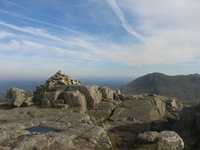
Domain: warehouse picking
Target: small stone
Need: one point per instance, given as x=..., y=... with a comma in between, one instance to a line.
x=148, y=137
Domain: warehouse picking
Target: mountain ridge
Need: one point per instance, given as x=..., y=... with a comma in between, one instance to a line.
x=182, y=87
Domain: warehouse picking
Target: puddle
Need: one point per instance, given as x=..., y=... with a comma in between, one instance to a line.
x=40, y=129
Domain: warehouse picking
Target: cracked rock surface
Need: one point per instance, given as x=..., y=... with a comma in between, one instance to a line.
x=71, y=130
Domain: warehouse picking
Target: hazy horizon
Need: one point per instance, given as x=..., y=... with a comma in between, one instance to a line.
x=98, y=39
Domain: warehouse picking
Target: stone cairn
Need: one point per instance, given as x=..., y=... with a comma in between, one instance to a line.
x=60, y=78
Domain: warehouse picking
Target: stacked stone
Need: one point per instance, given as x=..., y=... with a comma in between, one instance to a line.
x=60, y=78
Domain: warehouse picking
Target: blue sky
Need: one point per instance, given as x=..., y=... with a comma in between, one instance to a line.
x=98, y=38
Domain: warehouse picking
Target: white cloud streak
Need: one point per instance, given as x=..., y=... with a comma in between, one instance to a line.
x=125, y=24
x=37, y=21
x=4, y=34
x=33, y=31
x=14, y=4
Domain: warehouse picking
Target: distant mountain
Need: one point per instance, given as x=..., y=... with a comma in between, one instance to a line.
x=182, y=87
x=109, y=82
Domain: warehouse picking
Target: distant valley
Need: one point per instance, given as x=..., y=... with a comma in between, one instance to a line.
x=182, y=87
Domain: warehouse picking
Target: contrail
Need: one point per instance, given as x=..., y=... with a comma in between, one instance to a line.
x=125, y=24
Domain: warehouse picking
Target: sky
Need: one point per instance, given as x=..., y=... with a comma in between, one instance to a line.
x=98, y=38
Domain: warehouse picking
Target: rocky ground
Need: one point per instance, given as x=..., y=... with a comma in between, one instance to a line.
x=93, y=117
x=71, y=130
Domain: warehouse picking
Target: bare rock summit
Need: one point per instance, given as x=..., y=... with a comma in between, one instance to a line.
x=60, y=78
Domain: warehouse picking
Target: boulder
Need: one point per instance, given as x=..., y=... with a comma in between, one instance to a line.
x=173, y=105
x=28, y=99
x=51, y=96
x=16, y=95
x=75, y=99
x=169, y=140
x=107, y=93
x=148, y=137
x=92, y=94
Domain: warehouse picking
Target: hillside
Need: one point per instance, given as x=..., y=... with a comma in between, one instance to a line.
x=182, y=87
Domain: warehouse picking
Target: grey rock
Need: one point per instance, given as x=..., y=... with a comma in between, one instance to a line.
x=103, y=110
x=75, y=99
x=45, y=103
x=51, y=96
x=92, y=94
x=169, y=140
x=148, y=137
x=146, y=108
x=16, y=95
x=132, y=110
x=71, y=130
x=48, y=141
x=107, y=93
x=62, y=106
x=40, y=89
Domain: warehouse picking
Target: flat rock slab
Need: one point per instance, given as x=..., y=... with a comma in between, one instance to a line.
x=71, y=130
x=136, y=110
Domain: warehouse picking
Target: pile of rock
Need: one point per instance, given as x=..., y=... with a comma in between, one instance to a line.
x=60, y=78
x=61, y=90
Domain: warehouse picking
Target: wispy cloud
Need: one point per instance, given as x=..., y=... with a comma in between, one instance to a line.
x=4, y=34
x=80, y=46
x=125, y=24
x=37, y=21
x=14, y=4
x=34, y=31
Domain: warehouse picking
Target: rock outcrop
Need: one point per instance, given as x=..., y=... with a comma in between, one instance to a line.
x=146, y=108
x=91, y=117
x=19, y=97
x=60, y=86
